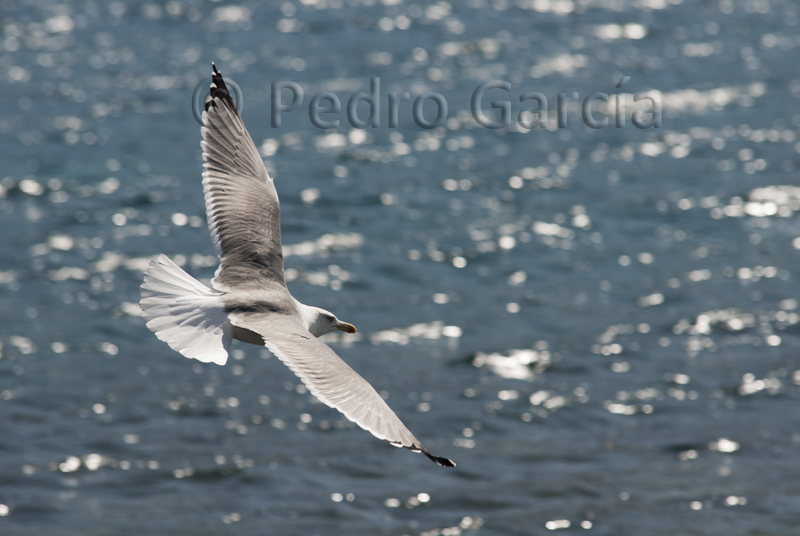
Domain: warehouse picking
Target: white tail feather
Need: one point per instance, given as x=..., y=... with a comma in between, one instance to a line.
x=184, y=313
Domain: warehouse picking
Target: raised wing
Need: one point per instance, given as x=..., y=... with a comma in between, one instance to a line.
x=241, y=202
x=331, y=380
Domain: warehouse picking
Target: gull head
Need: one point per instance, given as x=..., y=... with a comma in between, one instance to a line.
x=322, y=322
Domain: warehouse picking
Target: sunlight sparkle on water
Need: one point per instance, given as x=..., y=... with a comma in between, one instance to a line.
x=724, y=445
x=558, y=524
x=517, y=364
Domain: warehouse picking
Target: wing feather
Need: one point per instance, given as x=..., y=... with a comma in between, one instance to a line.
x=242, y=204
x=330, y=379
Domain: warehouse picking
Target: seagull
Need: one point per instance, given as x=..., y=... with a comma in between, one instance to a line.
x=249, y=300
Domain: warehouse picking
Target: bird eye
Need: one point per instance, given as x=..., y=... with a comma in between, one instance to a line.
x=329, y=318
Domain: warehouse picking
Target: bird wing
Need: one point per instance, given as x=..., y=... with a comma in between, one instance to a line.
x=242, y=204
x=330, y=379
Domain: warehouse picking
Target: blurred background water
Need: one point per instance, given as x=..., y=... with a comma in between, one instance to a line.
x=599, y=326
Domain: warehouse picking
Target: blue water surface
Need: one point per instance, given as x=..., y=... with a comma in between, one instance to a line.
x=600, y=326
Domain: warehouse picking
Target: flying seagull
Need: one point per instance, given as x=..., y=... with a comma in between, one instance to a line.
x=249, y=300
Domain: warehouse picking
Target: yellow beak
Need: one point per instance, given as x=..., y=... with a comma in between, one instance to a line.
x=347, y=328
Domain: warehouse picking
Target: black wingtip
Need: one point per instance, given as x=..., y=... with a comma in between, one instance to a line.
x=441, y=462
x=218, y=89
